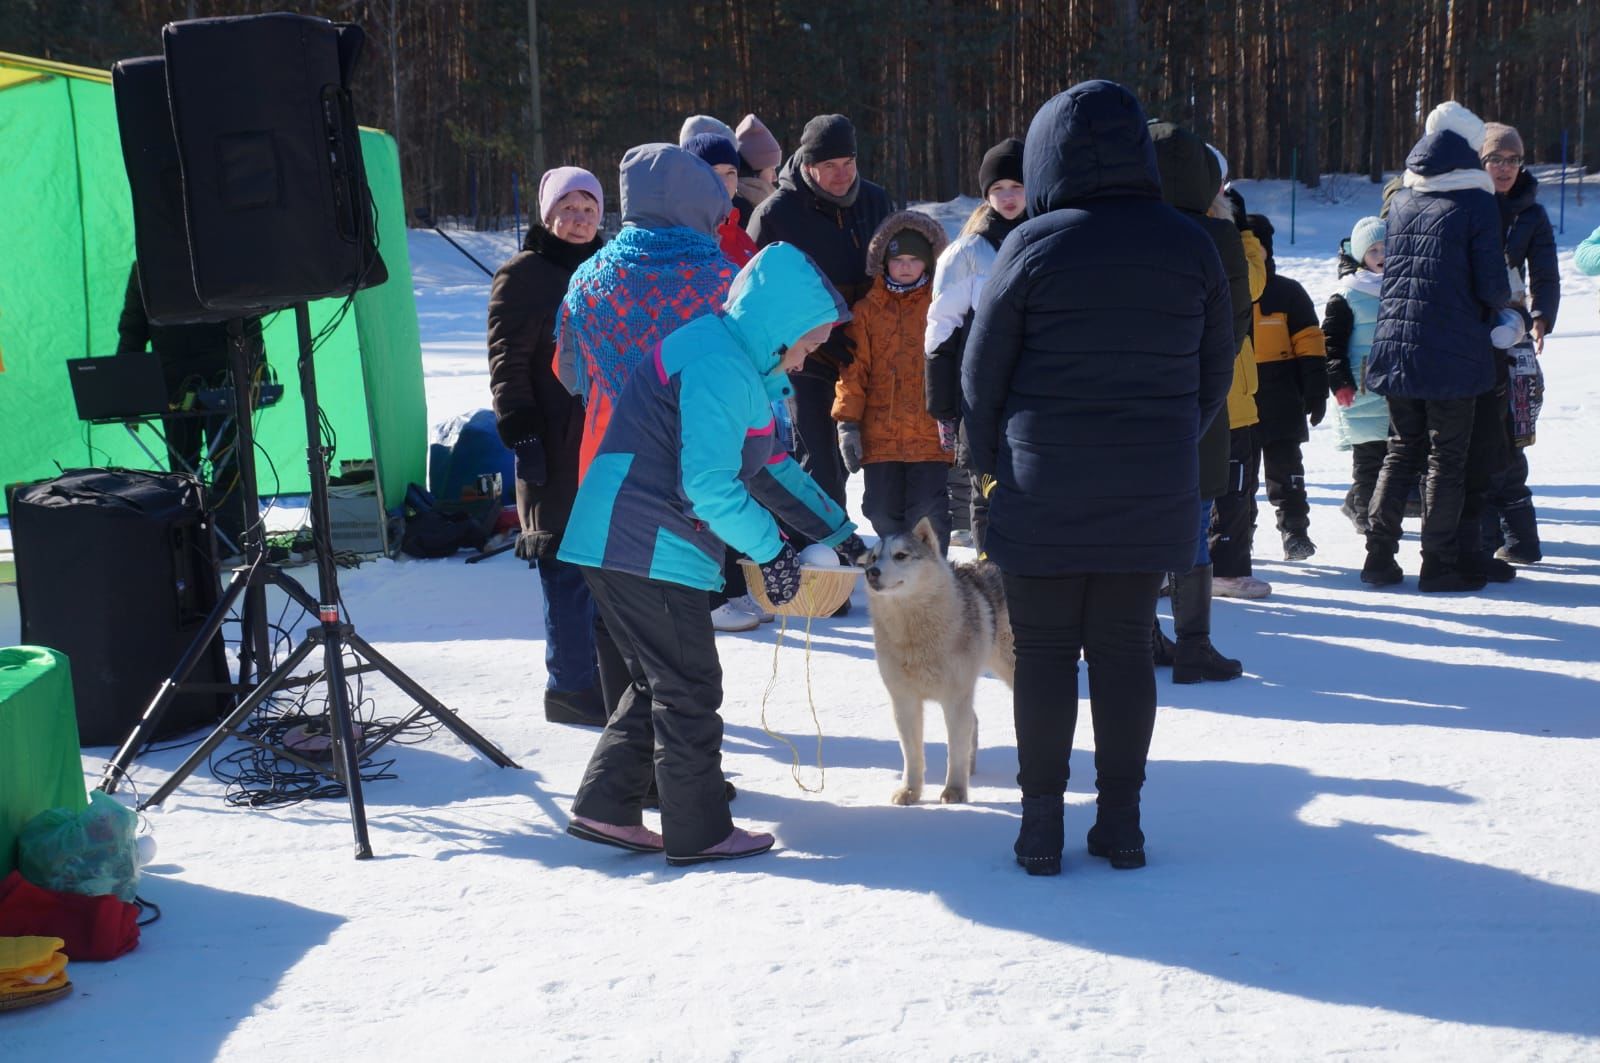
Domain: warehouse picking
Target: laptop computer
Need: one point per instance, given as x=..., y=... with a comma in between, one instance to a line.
x=123, y=387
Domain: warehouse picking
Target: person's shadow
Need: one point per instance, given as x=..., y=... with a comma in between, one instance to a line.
x=1263, y=875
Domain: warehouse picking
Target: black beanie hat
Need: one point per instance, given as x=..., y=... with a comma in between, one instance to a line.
x=1261, y=225
x=909, y=242
x=1003, y=162
x=827, y=136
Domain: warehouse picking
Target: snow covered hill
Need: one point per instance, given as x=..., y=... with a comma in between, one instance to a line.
x=1382, y=841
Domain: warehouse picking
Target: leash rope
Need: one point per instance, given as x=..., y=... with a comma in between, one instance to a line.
x=772, y=684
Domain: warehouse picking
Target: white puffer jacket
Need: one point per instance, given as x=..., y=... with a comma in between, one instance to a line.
x=958, y=280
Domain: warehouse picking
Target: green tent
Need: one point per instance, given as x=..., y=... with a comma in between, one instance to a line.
x=64, y=268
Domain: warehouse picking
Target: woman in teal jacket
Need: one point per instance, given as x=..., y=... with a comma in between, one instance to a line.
x=1587, y=256
x=689, y=464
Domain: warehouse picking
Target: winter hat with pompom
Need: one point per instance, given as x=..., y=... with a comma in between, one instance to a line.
x=1367, y=232
x=702, y=123
x=1451, y=117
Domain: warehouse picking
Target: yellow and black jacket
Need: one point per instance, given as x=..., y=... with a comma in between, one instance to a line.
x=1291, y=361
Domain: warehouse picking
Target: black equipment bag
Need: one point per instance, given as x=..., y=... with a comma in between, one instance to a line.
x=275, y=190
x=114, y=569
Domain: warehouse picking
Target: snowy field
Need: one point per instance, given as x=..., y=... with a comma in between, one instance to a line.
x=1382, y=841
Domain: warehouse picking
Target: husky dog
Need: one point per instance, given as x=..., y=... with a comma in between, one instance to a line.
x=937, y=627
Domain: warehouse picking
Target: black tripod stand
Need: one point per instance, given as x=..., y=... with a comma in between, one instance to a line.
x=333, y=636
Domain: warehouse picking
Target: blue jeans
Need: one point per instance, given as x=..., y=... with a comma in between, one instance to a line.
x=568, y=626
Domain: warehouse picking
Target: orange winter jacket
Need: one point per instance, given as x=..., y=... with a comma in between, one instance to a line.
x=882, y=390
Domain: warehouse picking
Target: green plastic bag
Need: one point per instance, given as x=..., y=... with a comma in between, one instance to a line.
x=90, y=852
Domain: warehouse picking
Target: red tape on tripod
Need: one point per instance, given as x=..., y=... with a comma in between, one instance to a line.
x=328, y=614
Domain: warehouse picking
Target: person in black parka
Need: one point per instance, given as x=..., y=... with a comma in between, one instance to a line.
x=1102, y=347
x=195, y=357
x=1190, y=178
x=542, y=423
x=1444, y=277
x=1509, y=521
x=829, y=211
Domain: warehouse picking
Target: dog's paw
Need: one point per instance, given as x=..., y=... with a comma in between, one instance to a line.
x=906, y=796
x=953, y=795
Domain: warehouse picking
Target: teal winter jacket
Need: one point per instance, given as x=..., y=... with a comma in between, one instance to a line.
x=1587, y=255
x=691, y=458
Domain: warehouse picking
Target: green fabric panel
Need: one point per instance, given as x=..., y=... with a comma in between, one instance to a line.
x=42, y=309
x=39, y=763
x=391, y=344
x=69, y=243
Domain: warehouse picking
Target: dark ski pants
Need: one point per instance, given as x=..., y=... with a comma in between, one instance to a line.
x=1233, y=522
x=1438, y=432
x=1508, y=513
x=1366, y=461
x=901, y=493
x=667, y=722
x=1285, y=476
x=569, y=635
x=816, y=445
x=1107, y=617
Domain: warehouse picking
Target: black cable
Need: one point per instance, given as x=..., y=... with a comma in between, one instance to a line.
x=147, y=906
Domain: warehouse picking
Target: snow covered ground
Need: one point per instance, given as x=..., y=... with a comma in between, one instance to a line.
x=1383, y=840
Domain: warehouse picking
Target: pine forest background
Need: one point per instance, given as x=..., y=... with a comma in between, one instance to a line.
x=1282, y=86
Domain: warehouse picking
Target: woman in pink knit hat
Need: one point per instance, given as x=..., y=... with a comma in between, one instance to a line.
x=542, y=423
x=759, y=158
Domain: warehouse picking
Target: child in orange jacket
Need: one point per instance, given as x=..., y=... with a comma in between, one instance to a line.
x=884, y=425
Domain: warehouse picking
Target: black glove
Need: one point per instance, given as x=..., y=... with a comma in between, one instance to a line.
x=851, y=549
x=781, y=576
x=530, y=463
x=1316, y=410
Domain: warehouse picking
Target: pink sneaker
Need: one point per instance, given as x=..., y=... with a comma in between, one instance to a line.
x=736, y=846
x=637, y=839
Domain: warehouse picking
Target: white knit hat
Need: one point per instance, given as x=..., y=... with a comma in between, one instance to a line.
x=1451, y=116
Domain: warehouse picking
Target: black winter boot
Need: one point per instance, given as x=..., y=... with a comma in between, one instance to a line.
x=1297, y=546
x=1381, y=569
x=1162, y=651
x=1194, y=658
x=1439, y=576
x=585, y=708
x=1041, y=836
x=1521, y=527
x=1116, y=836
x=1490, y=569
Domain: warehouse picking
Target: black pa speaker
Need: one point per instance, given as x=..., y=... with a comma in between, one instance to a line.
x=274, y=188
x=114, y=570
x=150, y=154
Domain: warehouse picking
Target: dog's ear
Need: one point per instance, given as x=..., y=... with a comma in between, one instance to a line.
x=924, y=532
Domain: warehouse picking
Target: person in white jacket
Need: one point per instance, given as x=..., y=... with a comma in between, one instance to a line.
x=957, y=284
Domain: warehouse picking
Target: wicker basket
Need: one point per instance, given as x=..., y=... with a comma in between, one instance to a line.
x=822, y=590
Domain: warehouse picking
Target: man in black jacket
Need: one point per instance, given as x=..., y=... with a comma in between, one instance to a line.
x=1102, y=348
x=829, y=211
x=193, y=358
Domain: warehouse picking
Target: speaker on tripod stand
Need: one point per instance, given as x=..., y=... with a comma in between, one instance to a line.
x=277, y=213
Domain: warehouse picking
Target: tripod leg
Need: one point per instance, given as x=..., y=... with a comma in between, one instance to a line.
x=268, y=687
x=346, y=748
x=429, y=704
x=117, y=767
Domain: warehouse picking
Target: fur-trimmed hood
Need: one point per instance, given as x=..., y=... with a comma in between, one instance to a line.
x=915, y=220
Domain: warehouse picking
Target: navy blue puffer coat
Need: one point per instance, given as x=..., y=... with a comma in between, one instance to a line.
x=1103, y=344
x=1444, y=273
